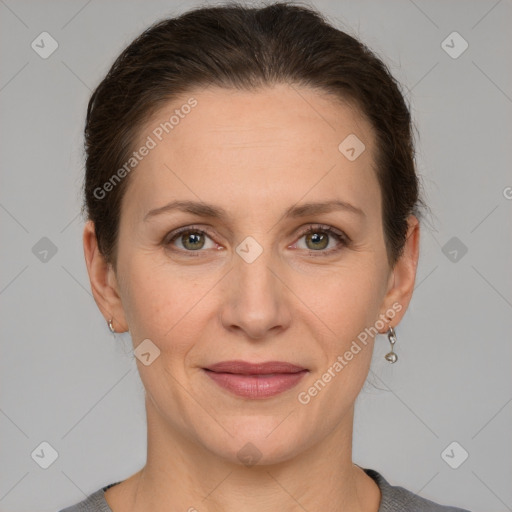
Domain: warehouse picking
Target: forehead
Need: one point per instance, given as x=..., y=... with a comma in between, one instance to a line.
x=278, y=143
x=280, y=115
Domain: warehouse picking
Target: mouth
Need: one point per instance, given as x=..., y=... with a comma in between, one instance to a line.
x=255, y=380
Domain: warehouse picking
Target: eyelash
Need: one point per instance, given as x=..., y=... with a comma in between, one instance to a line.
x=343, y=240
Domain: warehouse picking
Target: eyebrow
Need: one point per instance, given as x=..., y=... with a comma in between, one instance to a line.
x=209, y=210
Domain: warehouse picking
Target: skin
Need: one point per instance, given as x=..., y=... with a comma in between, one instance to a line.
x=254, y=154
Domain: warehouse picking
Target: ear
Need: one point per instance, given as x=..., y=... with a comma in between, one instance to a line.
x=103, y=281
x=403, y=276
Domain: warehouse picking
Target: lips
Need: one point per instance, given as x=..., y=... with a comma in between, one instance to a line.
x=246, y=368
x=255, y=380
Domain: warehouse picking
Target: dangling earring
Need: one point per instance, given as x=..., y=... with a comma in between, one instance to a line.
x=391, y=356
x=111, y=326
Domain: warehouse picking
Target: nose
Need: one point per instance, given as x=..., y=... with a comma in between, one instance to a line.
x=256, y=300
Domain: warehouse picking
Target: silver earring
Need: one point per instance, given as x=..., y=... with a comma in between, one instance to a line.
x=111, y=326
x=391, y=356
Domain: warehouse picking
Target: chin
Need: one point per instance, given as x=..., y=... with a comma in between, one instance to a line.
x=264, y=442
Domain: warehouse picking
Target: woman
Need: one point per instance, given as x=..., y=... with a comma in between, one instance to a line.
x=253, y=222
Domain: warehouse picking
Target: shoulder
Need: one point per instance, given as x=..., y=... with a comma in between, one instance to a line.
x=397, y=499
x=393, y=499
x=95, y=502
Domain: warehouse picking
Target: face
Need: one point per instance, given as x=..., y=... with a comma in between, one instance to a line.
x=259, y=275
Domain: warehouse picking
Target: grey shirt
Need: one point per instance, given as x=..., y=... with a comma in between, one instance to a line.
x=393, y=499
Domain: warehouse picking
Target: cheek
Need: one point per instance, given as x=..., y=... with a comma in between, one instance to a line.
x=349, y=307
x=164, y=305
x=350, y=299
x=151, y=299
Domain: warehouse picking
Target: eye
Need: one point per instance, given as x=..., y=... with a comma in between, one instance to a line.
x=190, y=238
x=317, y=239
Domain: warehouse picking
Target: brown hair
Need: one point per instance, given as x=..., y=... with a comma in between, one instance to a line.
x=233, y=46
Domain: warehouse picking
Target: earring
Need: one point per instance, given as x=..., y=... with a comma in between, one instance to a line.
x=391, y=356
x=111, y=326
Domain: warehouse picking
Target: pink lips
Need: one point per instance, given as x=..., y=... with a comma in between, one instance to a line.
x=256, y=381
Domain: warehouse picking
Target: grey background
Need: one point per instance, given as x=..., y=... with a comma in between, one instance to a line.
x=67, y=381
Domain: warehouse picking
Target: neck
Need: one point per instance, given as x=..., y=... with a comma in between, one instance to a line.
x=181, y=474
